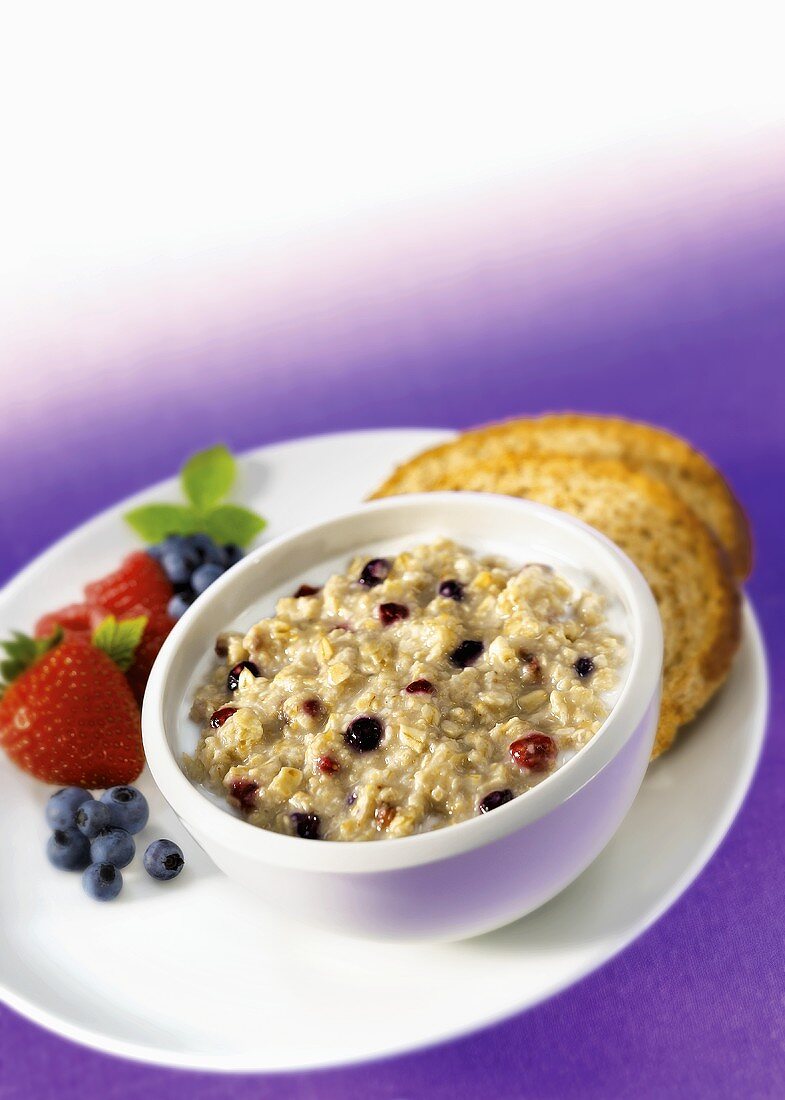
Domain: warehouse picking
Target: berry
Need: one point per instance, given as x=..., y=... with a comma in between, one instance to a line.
x=139, y=582
x=179, y=604
x=199, y=545
x=155, y=633
x=163, y=860
x=77, y=618
x=68, y=850
x=70, y=718
x=364, y=734
x=584, y=666
x=306, y=590
x=306, y=826
x=177, y=566
x=233, y=679
x=392, y=613
x=383, y=815
x=62, y=806
x=494, y=799
x=128, y=807
x=244, y=792
x=451, y=590
x=312, y=708
x=328, y=766
x=420, y=687
x=102, y=881
x=114, y=846
x=204, y=575
x=220, y=716
x=233, y=554
x=92, y=817
x=536, y=751
x=466, y=653
x=374, y=572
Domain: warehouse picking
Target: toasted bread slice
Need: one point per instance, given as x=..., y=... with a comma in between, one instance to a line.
x=651, y=450
x=677, y=554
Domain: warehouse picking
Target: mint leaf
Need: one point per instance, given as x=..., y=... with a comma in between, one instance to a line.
x=208, y=476
x=119, y=640
x=155, y=521
x=232, y=523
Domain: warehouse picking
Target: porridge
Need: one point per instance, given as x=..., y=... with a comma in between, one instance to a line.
x=406, y=694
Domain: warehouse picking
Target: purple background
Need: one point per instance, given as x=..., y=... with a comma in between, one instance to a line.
x=691, y=337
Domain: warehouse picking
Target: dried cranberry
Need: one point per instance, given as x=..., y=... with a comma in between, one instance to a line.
x=374, y=572
x=220, y=716
x=383, y=815
x=306, y=825
x=233, y=679
x=494, y=799
x=327, y=765
x=584, y=666
x=306, y=590
x=451, y=590
x=244, y=791
x=312, y=708
x=364, y=734
x=420, y=687
x=392, y=613
x=535, y=751
x=466, y=653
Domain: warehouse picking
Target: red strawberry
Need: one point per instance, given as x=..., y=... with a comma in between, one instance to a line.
x=139, y=582
x=68, y=715
x=158, y=626
x=76, y=618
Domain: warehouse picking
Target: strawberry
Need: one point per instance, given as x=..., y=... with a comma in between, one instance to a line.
x=67, y=715
x=139, y=582
x=158, y=626
x=76, y=618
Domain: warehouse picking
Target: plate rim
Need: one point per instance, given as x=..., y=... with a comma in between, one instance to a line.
x=138, y=1052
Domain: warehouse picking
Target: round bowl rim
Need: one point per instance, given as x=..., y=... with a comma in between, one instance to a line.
x=209, y=821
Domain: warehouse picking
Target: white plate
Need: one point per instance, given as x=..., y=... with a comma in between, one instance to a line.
x=198, y=973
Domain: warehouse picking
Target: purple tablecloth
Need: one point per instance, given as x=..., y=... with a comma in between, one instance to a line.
x=690, y=335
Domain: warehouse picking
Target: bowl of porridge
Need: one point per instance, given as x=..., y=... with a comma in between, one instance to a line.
x=418, y=720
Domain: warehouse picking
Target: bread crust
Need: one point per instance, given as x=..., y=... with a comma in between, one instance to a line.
x=644, y=447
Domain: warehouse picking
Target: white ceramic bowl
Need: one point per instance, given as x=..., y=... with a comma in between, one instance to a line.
x=465, y=878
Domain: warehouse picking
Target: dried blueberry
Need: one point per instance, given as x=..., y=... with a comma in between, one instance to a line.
x=306, y=826
x=364, y=734
x=584, y=666
x=306, y=590
x=466, y=653
x=312, y=708
x=420, y=687
x=451, y=590
x=494, y=799
x=392, y=613
x=374, y=572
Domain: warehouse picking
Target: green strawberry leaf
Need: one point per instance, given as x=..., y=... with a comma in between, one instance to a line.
x=232, y=523
x=155, y=521
x=22, y=652
x=119, y=640
x=208, y=476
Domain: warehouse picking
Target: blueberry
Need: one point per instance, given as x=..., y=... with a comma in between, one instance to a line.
x=216, y=555
x=163, y=859
x=451, y=590
x=201, y=544
x=233, y=554
x=374, y=572
x=102, y=881
x=364, y=734
x=306, y=826
x=179, y=604
x=112, y=845
x=129, y=808
x=91, y=817
x=494, y=799
x=584, y=666
x=68, y=850
x=466, y=653
x=177, y=566
x=62, y=806
x=233, y=679
x=156, y=551
x=204, y=575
